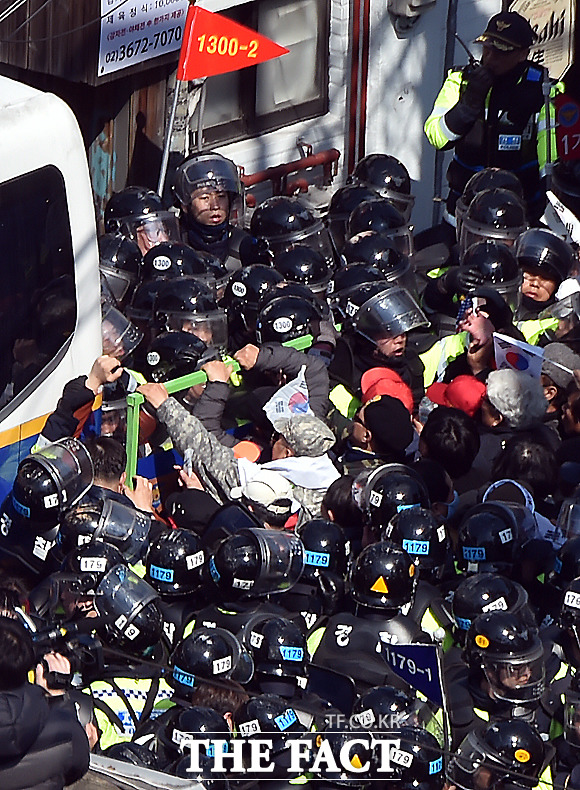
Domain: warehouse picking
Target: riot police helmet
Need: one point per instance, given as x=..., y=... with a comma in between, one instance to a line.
x=566, y=564
x=286, y=221
x=208, y=170
x=305, y=265
x=488, y=178
x=495, y=265
x=286, y=318
x=256, y=561
x=342, y=204
x=88, y=564
x=510, y=653
x=424, y=537
x=488, y=539
x=174, y=563
x=389, y=177
x=277, y=645
x=245, y=290
x=120, y=264
x=188, y=305
x=380, y=215
x=388, y=314
x=120, y=336
x=497, y=214
x=208, y=653
x=326, y=548
x=487, y=592
x=175, y=354
x=375, y=248
x=139, y=214
x=174, y=259
x=387, y=490
x=129, y=605
x=543, y=251
x=382, y=577
x=51, y=480
x=509, y=752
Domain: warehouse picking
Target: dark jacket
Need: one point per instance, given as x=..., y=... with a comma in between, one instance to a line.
x=41, y=748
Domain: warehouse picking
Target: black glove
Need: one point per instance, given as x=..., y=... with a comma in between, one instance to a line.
x=459, y=279
x=478, y=82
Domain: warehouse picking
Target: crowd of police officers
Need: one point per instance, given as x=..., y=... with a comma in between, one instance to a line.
x=426, y=498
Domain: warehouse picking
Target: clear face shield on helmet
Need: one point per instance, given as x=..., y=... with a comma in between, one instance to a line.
x=473, y=768
x=211, y=174
x=212, y=327
x=472, y=232
x=402, y=238
x=388, y=314
x=125, y=528
x=117, y=282
x=517, y=679
x=69, y=464
x=120, y=596
x=282, y=560
x=561, y=320
x=316, y=237
x=152, y=229
x=120, y=337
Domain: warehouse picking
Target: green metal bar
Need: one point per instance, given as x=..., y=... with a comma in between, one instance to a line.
x=135, y=399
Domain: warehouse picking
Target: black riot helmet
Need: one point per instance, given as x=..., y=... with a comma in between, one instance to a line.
x=326, y=548
x=175, y=354
x=566, y=184
x=120, y=263
x=286, y=221
x=30, y=543
x=208, y=653
x=488, y=539
x=89, y=564
x=417, y=763
x=509, y=752
x=277, y=645
x=210, y=171
x=541, y=250
x=255, y=562
x=244, y=291
x=139, y=214
x=119, y=336
x=380, y=215
x=174, y=563
x=424, y=537
x=488, y=178
x=570, y=609
x=510, y=654
x=347, y=747
x=388, y=489
x=52, y=480
x=566, y=565
x=349, y=301
x=271, y=715
x=493, y=214
x=385, y=708
x=342, y=204
x=387, y=314
x=383, y=577
x=305, y=265
x=122, y=525
x=286, y=288
x=488, y=592
x=389, y=177
x=190, y=724
x=174, y=259
x=286, y=318
x=377, y=249
x=186, y=304
x=129, y=604
x=496, y=266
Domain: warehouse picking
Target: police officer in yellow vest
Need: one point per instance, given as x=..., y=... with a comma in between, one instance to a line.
x=493, y=113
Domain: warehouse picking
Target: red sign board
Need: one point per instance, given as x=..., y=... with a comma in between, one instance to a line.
x=567, y=127
x=213, y=44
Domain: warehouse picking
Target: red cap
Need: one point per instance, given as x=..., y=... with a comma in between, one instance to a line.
x=464, y=392
x=384, y=381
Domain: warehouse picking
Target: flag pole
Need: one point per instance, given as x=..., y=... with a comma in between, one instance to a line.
x=168, y=133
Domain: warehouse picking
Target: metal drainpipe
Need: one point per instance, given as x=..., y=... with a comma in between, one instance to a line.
x=447, y=64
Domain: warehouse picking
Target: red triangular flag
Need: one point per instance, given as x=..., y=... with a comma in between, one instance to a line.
x=213, y=44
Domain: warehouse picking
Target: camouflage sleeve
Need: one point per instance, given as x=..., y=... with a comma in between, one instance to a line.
x=212, y=462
